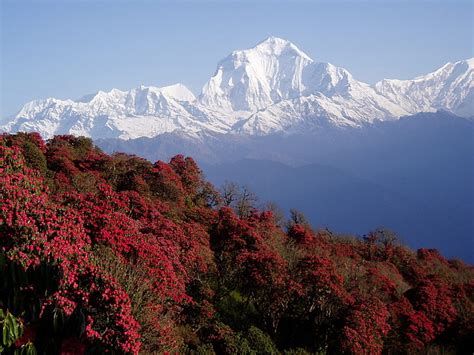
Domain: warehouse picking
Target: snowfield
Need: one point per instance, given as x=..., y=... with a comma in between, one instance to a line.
x=273, y=87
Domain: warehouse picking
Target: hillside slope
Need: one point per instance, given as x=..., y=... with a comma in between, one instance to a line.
x=112, y=253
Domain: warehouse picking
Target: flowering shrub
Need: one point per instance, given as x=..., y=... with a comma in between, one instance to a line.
x=39, y=236
x=365, y=328
x=115, y=254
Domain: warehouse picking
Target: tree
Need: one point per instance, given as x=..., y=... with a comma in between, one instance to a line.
x=240, y=198
x=246, y=202
x=229, y=192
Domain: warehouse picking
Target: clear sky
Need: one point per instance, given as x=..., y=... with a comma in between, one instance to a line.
x=67, y=49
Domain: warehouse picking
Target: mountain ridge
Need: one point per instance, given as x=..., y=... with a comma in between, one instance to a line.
x=271, y=88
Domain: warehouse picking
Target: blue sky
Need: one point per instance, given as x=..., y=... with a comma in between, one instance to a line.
x=67, y=49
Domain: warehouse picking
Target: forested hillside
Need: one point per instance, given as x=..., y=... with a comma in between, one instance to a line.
x=413, y=175
x=113, y=253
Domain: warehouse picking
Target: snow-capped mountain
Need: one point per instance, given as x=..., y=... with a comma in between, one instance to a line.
x=140, y=112
x=273, y=87
x=272, y=71
x=451, y=87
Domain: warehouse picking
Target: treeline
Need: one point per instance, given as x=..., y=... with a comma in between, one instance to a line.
x=112, y=253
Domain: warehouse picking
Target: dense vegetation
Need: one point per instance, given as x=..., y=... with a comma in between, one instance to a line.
x=115, y=254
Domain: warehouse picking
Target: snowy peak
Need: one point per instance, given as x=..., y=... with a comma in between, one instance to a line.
x=450, y=87
x=273, y=87
x=151, y=100
x=178, y=92
x=251, y=79
x=275, y=46
x=141, y=100
x=145, y=111
x=274, y=70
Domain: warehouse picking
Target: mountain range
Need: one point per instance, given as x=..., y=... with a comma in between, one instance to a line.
x=271, y=88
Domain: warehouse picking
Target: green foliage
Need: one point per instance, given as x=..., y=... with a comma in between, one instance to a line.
x=260, y=342
x=205, y=349
x=298, y=351
x=202, y=349
x=237, y=312
x=27, y=349
x=34, y=157
x=12, y=329
x=235, y=343
x=81, y=146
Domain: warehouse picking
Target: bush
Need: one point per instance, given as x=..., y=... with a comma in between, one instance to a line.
x=261, y=342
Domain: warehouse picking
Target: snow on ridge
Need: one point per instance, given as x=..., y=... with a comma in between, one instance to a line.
x=272, y=87
x=449, y=87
